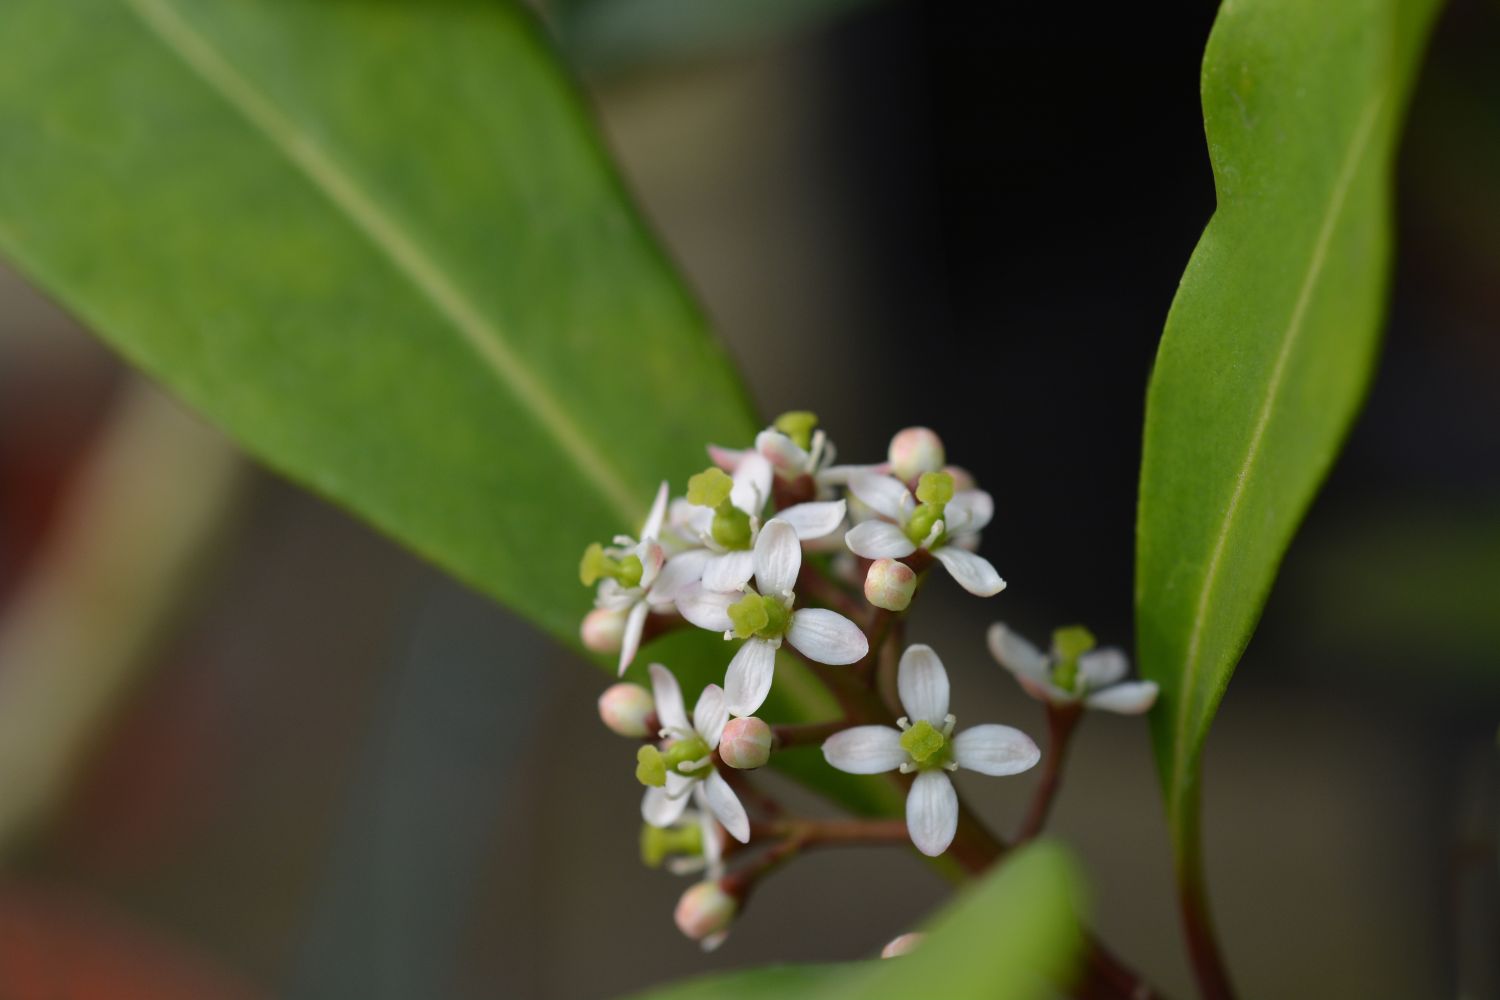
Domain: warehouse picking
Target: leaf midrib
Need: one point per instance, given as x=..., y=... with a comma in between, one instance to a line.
x=409, y=257
x=1358, y=143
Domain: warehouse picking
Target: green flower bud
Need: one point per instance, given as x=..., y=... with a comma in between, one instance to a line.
x=799, y=426
x=650, y=767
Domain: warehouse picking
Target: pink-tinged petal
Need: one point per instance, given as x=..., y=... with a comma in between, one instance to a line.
x=840, y=475
x=815, y=519
x=709, y=715
x=681, y=571
x=668, y=695
x=778, y=558
x=728, y=571
x=658, y=513
x=878, y=540
x=1127, y=699
x=826, y=636
x=706, y=608
x=969, y=511
x=923, y=685
x=660, y=809
x=630, y=641
x=653, y=557
x=932, y=812
x=752, y=483
x=995, y=750
x=1013, y=652
x=720, y=800
x=784, y=454
x=1099, y=668
x=727, y=459
x=748, y=679
x=886, y=496
x=973, y=573
x=865, y=750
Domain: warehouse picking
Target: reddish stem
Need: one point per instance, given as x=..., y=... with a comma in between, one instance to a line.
x=1061, y=720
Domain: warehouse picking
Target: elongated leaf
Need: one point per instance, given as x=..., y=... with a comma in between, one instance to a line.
x=380, y=244
x=1271, y=340
x=1013, y=936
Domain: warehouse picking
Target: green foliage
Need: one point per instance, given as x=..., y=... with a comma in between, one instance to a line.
x=1271, y=340
x=1013, y=936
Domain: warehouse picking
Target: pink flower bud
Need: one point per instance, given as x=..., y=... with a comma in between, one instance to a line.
x=603, y=630
x=746, y=743
x=890, y=584
x=914, y=451
x=902, y=945
x=963, y=479
x=704, y=913
x=627, y=709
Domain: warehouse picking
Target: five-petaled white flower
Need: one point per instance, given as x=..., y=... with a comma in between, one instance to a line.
x=766, y=615
x=944, y=521
x=926, y=744
x=1072, y=672
x=684, y=764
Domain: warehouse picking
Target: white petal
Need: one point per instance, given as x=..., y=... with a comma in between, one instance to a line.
x=782, y=452
x=669, y=707
x=748, y=679
x=814, y=520
x=712, y=848
x=969, y=511
x=682, y=570
x=840, y=475
x=997, y=750
x=1014, y=653
x=932, y=812
x=658, y=513
x=706, y=608
x=1127, y=699
x=923, y=685
x=1102, y=667
x=653, y=557
x=630, y=642
x=865, y=750
x=728, y=571
x=660, y=809
x=878, y=540
x=973, y=573
x=752, y=483
x=720, y=800
x=778, y=558
x=882, y=494
x=826, y=636
x=727, y=459
x=709, y=715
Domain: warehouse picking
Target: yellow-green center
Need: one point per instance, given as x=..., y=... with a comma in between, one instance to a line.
x=1068, y=644
x=924, y=743
x=596, y=565
x=758, y=616
x=799, y=426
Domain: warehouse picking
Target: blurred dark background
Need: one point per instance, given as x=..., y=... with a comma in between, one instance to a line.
x=315, y=775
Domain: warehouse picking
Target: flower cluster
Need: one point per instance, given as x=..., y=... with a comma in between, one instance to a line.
x=787, y=554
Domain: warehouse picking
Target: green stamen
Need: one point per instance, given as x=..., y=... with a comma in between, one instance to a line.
x=799, y=426
x=650, y=767
x=658, y=844
x=758, y=617
x=709, y=488
x=595, y=565
x=1068, y=644
x=924, y=744
x=934, y=489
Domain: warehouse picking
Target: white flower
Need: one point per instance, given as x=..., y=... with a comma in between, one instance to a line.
x=925, y=743
x=1072, y=672
x=945, y=522
x=794, y=446
x=763, y=617
x=723, y=515
x=688, y=759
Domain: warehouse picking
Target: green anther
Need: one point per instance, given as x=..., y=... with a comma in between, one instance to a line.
x=684, y=752
x=924, y=744
x=1068, y=644
x=799, y=426
x=731, y=527
x=650, y=767
x=935, y=488
x=658, y=844
x=760, y=617
x=595, y=565
x=709, y=488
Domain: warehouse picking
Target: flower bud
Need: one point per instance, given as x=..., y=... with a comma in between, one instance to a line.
x=890, y=584
x=704, y=913
x=914, y=451
x=902, y=945
x=746, y=743
x=603, y=630
x=627, y=709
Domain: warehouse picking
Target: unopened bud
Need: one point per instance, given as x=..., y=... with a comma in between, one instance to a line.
x=746, y=743
x=890, y=584
x=704, y=913
x=914, y=451
x=603, y=630
x=963, y=479
x=626, y=709
x=902, y=945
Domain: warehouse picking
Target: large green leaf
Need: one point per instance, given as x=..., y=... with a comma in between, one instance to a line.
x=381, y=245
x=1271, y=340
x=1012, y=936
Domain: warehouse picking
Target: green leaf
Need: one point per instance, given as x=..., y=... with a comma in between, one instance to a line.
x=1012, y=936
x=1271, y=339
x=381, y=245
